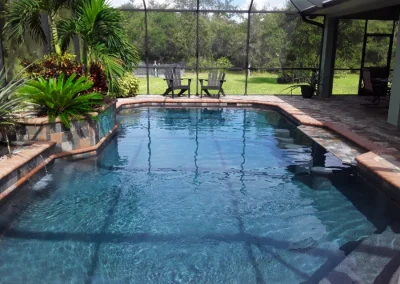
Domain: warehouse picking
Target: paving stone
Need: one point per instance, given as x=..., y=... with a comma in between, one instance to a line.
x=345, y=150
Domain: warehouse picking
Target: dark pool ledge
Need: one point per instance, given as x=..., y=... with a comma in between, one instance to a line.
x=382, y=165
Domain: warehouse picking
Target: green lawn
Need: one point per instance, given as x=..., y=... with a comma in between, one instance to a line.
x=258, y=84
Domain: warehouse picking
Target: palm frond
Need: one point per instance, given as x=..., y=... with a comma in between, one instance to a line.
x=67, y=29
x=101, y=28
x=9, y=103
x=111, y=62
x=24, y=16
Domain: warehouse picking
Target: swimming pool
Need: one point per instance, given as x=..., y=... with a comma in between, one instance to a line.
x=190, y=195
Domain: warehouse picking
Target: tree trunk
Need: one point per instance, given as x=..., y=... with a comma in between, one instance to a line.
x=85, y=59
x=5, y=135
x=55, y=47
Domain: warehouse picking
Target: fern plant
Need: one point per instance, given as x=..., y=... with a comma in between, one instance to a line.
x=61, y=98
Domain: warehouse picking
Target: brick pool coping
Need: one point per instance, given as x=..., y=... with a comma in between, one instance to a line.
x=377, y=162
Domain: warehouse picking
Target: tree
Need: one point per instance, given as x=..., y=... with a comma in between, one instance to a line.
x=25, y=16
x=276, y=39
x=101, y=30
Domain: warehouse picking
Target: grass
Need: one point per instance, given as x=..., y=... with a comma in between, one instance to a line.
x=258, y=84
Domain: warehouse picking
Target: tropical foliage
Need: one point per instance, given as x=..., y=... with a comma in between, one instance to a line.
x=223, y=63
x=25, y=16
x=128, y=86
x=57, y=97
x=277, y=40
x=98, y=26
x=53, y=65
x=9, y=104
x=101, y=30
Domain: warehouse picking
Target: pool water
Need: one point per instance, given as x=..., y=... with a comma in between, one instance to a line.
x=190, y=196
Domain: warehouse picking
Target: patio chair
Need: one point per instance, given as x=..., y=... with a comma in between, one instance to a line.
x=374, y=88
x=174, y=82
x=215, y=81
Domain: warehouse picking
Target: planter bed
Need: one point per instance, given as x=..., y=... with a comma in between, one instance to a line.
x=84, y=133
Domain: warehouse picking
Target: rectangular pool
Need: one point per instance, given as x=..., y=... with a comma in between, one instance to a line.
x=190, y=195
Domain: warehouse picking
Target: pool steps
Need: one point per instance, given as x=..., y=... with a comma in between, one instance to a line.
x=375, y=260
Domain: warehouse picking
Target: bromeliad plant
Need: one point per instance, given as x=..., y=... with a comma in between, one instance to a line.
x=65, y=99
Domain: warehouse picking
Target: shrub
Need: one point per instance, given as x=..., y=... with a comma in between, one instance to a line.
x=54, y=65
x=224, y=63
x=128, y=86
x=8, y=104
x=99, y=78
x=203, y=62
x=61, y=98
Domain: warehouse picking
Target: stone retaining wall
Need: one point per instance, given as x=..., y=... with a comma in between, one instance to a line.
x=83, y=134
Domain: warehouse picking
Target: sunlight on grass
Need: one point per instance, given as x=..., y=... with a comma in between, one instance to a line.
x=258, y=84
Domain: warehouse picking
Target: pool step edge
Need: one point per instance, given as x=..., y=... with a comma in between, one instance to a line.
x=21, y=166
x=374, y=260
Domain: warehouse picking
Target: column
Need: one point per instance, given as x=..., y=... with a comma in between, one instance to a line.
x=328, y=54
x=394, y=105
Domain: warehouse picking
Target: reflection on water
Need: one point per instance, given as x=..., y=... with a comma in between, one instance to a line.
x=196, y=195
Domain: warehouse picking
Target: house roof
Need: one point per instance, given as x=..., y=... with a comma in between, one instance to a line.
x=360, y=9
